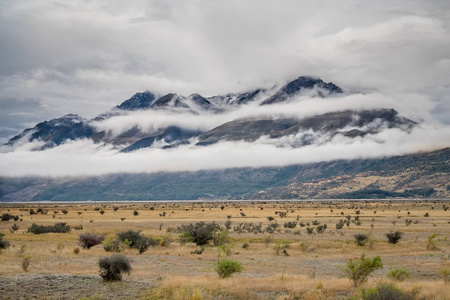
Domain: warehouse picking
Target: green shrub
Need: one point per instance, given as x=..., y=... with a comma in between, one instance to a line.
x=361, y=239
x=7, y=217
x=281, y=247
x=132, y=236
x=136, y=240
x=432, y=243
x=166, y=240
x=113, y=245
x=445, y=276
x=394, y=237
x=111, y=268
x=14, y=228
x=321, y=228
x=143, y=243
x=89, y=240
x=57, y=228
x=227, y=267
x=268, y=239
x=385, y=292
x=3, y=243
x=399, y=274
x=200, y=233
x=220, y=237
x=358, y=270
x=26, y=263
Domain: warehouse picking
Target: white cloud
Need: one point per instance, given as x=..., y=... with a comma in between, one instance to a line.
x=83, y=157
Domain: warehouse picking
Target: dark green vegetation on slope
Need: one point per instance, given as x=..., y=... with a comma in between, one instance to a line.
x=415, y=175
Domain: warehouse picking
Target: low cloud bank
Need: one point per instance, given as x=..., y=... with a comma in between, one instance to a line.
x=84, y=158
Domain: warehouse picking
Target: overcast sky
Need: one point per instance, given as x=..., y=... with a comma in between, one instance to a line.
x=84, y=57
x=60, y=57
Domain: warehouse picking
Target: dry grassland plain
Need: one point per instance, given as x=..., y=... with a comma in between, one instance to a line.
x=311, y=268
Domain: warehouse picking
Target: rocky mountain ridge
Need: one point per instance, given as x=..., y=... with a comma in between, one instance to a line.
x=348, y=123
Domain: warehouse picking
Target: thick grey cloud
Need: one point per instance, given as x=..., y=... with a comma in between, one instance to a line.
x=60, y=57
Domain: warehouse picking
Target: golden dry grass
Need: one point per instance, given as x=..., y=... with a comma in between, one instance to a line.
x=311, y=271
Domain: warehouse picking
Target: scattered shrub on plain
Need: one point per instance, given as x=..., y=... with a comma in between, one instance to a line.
x=445, y=276
x=26, y=263
x=144, y=242
x=200, y=233
x=399, y=274
x=3, y=243
x=89, y=240
x=136, y=240
x=112, y=245
x=57, y=228
x=281, y=246
x=6, y=217
x=394, y=237
x=432, y=243
x=14, y=228
x=227, y=267
x=111, y=268
x=361, y=239
x=358, y=270
x=385, y=292
x=268, y=239
x=166, y=240
x=76, y=250
x=220, y=237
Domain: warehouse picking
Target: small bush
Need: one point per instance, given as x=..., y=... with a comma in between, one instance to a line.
x=445, y=276
x=220, y=237
x=136, y=240
x=3, y=243
x=26, y=263
x=57, y=228
x=200, y=233
x=227, y=267
x=76, y=250
x=89, y=240
x=144, y=242
x=268, y=240
x=228, y=224
x=432, y=243
x=358, y=270
x=7, y=217
x=14, y=228
x=385, y=291
x=399, y=274
x=361, y=239
x=166, y=241
x=394, y=237
x=112, y=245
x=111, y=268
x=132, y=236
x=281, y=247
x=321, y=228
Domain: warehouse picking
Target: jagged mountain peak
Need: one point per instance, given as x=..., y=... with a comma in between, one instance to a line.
x=301, y=84
x=138, y=101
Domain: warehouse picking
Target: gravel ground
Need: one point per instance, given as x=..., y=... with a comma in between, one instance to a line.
x=44, y=286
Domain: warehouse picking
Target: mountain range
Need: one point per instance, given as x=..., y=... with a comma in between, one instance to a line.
x=348, y=123
x=412, y=175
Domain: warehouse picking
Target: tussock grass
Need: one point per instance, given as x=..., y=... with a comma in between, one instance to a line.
x=312, y=271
